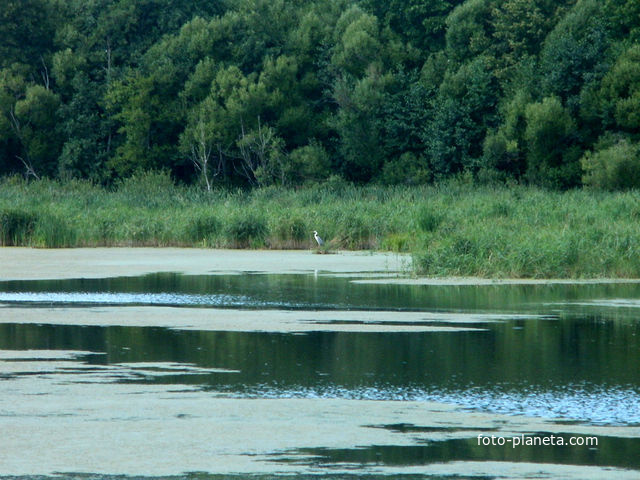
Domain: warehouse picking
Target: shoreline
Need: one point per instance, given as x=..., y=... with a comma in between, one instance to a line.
x=25, y=263
x=366, y=267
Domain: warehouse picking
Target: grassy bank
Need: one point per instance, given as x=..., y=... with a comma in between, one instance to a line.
x=451, y=230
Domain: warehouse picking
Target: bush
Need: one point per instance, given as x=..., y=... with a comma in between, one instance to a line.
x=148, y=189
x=309, y=163
x=428, y=219
x=246, y=230
x=16, y=227
x=53, y=231
x=552, y=157
x=202, y=229
x=614, y=167
x=291, y=231
x=353, y=233
x=406, y=170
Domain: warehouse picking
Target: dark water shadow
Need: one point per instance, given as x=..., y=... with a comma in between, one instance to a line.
x=609, y=452
x=209, y=476
x=315, y=291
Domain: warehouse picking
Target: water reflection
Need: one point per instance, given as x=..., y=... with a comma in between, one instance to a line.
x=578, y=363
x=326, y=291
x=582, y=370
x=621, y=452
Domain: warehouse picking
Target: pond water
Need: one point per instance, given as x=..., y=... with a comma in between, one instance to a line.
x=563, y=352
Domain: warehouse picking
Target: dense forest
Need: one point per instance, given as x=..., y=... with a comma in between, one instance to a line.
x=287, y=92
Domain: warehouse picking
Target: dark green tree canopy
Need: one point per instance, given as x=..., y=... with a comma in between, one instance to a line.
x=258, y=92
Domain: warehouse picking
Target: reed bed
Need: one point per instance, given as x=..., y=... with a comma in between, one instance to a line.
x=450, y=229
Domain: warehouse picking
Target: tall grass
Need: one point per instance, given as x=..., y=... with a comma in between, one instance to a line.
x=452, y=229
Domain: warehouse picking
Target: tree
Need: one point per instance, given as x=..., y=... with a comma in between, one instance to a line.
x=12, y=87
x=201, y=143
x=504, y=149
x=357, y=43
x=26, y=30
x=469, y=30
x=551, y=143
x=519, y=27
x=624, y=16
x=358, y=125
x=614, y=165
x=463, y=109
x=620, y=92
x=34, y=123
x=263, y=161
x=574, y=53
x=309, y=163
x=420, y=23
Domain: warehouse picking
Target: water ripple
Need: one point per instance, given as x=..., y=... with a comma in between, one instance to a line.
x=596, y=405
x=88, y=298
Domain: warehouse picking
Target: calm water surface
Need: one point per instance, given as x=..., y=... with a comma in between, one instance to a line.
x=572, y=354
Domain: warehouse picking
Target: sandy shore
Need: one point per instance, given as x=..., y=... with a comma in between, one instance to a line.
x=18, y=263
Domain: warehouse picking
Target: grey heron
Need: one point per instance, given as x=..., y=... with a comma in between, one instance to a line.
x=318, y=239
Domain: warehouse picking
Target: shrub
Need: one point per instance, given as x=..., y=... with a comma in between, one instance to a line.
x=246, y=230
x=397, y=242
x=428, y=219
x=16, y=227
x=309, y=163
x=613, y=167
x=406, y=170
x=202, y=228
x=53, y=231
x=354, y=233
x=148, y=189
x=291, y=231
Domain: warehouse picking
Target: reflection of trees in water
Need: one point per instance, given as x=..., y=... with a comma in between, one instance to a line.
x=514, y=354
x=610, y=451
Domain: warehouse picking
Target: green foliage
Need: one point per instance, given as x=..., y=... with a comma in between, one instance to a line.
x=574, y=53
x=464, y=107
x=420, y=22
x=253, y=93
x=310, y=163
x=549, y=136
x=202, y=228
x=620, y=92
x=468, y=29
x=246, y=230
x=519, y=28
x=16, y=227
x=26, y=29
x=358, y=46
x=34, y=123
x=291, y=232
x=429, y=219
x=406, y=170
x=452, y=229
x=613, y=167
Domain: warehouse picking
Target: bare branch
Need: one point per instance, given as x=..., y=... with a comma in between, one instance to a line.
x=44, y=73
x=28, y=167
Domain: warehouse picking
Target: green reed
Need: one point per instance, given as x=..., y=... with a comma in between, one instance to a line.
x=450, y=229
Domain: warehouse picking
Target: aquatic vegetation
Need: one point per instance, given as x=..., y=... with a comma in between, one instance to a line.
x=451, y=229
